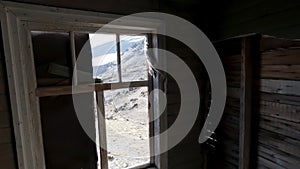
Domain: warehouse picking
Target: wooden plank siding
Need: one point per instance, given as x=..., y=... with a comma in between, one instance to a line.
x=226, y=149
x=279, y=107
x=275, y=137
x=7, y=146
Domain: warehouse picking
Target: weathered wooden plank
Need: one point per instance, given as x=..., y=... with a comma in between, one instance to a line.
x=279, y=157
x=31, y=102
x=280, y=142
x=233, y=82
x=230, y=132
x=247, y=61
x=233, y=92
x=270, y=42
x=280, y=75
x=286, y=68
x=230, y=152
x=283, y=127
x=233, y=102
x=232, y=111
x=281, y=111
x=229, y=159
x=267, y=163
x=227, y=165
x=233, y=78
x=232, y=59
x=7, y=160
x=4, y=103
x=231, y=120
x=1, y=68
x=5, y=135
x=288, y=87
x=2, y=86
x=66, y=90
x=4, y=119
x=291, y=72
x=279, y=98
x=232, y=72
x=102, y=130
x=119, y=66
x=20, y=72
x=231, y=66
x=74, y=57
x=231, y=148
x=281, y=57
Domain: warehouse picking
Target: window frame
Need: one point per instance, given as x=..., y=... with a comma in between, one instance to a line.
x=17, y=21
x=100, y=100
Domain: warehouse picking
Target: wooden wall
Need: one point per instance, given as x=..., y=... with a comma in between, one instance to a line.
x=228, y=130
x=279, y=99
x=274, y=119
x=187, y=154
x=7, y=148
x=218, y=21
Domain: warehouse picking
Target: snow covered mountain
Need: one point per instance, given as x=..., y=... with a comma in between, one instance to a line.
x=133, y=59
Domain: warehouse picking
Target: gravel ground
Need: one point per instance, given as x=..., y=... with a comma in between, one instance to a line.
x=127, y=127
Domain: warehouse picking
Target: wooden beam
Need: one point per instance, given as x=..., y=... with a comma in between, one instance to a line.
x=102, y=129
x=270, y=42
x=247, y=62
x=73, y=53
x=86, y=88
x=22, y=83
x=118, y=43
x=284, y=87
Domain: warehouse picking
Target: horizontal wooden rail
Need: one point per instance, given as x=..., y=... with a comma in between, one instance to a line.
x=85, y=88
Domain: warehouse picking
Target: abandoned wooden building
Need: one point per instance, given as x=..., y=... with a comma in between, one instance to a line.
x=158, y=84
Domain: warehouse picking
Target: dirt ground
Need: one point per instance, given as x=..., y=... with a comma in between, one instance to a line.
x=127, y=127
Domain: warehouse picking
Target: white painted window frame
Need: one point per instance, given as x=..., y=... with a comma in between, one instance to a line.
x=17, y=22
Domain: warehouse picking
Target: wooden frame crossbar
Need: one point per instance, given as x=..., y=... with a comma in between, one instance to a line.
x=85, y=88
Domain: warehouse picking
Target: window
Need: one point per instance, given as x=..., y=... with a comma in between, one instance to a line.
x=34, y=78
x=118, y=59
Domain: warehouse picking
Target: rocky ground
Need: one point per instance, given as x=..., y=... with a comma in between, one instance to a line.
x=127, y=127
x=126, y=110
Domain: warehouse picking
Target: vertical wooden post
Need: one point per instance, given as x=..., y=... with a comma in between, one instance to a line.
x=247, y=63
x=153, y=126
x=22, y=83
x=102, y=130
x=119, y=56
x=73, y=54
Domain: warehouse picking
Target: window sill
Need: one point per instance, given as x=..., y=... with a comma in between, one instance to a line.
x=143, y=166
